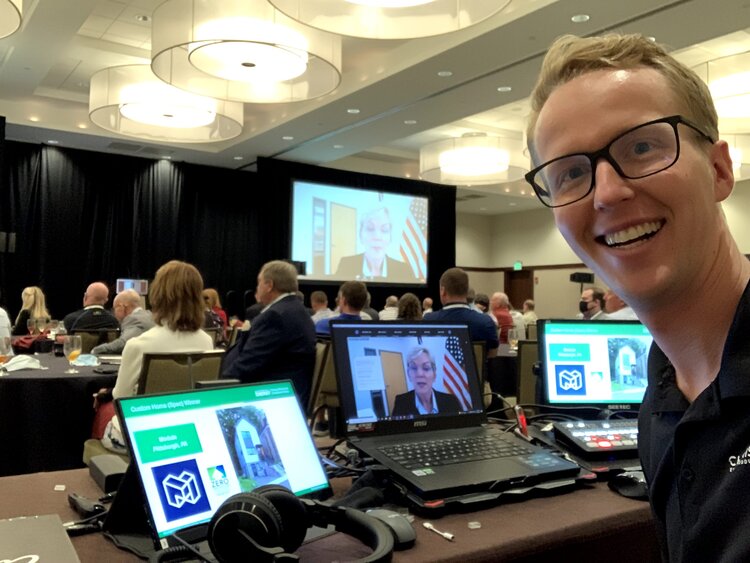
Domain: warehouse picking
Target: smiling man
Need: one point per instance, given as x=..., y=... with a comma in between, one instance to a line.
x=625, y=143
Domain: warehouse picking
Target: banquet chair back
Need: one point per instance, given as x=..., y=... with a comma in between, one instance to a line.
x=165, y=372
x=93, y=337
x=528, y=381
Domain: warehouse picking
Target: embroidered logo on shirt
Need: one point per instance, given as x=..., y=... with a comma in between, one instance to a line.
x=737, y=460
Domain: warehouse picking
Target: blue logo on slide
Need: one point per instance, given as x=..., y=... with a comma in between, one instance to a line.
x=570, y=379
x=180, y=489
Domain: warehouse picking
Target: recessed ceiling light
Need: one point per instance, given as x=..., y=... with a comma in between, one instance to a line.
x=410, y=121
x=504, y=88
x=338, y=146
x=287, y=138
x=512, y=204
x=239, y=158
x=33, y=118
x=482, y=209
x=445, y=73
x=407, y=175
x=143, y=18
x=580, y=18
x=507, y=190
x=53, y=142
x=83, y=125
x=352, y=111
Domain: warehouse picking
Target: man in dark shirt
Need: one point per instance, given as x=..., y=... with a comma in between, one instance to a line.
x=352, y=298
x=454, y=286
x=626, y=149
x=281, y=341
x=93, y=316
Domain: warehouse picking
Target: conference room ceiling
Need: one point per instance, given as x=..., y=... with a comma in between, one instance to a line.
x=402, y=102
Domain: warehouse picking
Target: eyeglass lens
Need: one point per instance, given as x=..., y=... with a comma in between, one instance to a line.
x=638, y=153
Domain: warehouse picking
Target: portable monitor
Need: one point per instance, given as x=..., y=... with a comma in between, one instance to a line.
x=600, y=364
x=194, y=449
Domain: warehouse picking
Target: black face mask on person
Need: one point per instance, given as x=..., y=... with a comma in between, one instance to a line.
x=583, y=306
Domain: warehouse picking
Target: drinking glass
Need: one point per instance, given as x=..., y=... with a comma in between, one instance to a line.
x=31, y=326
x=4, y=349
x=72, y=349
x=514, y=336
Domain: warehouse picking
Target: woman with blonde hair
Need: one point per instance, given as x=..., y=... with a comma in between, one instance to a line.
x=213, y=303
x=33, y=308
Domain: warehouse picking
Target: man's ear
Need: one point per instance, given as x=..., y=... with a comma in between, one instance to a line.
x=723, y=172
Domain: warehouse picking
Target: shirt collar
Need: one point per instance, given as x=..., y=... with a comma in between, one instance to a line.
x=279, y=298
x=421, y=409
x=456, y=306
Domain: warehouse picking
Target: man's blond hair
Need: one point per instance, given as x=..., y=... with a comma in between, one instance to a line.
x=570, y=57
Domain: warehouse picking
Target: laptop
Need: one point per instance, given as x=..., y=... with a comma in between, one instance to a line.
x=382, y=366
x=194, y=449
x=595, y=371
x=593, y=367
x=36, y=538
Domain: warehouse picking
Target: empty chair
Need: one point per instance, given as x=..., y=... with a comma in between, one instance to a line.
x=176, y=371
x=480, y=357
x=531, y=332
x=528, y=384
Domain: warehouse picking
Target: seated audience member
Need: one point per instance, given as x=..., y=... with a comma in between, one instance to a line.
x=409, y=308
x=93, y=316
x=500, y=309
x=281, y=341
x=423, y=399
x=454, y=285
x=518, y=323
x=482, y=302
x=427, y=305
x=301, y=297
x=5, y=328
x=471, y=300
x=212, y=301
x=591, y=305
x=319, y=302
x=390, y=311
x=368, y=310
x=33, y=308
x=352, y=297
x=134, y=320
x=529, y=315
x=616, y=309
x=177, y=310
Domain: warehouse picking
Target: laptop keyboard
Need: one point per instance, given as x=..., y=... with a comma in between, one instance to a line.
x=434, y=453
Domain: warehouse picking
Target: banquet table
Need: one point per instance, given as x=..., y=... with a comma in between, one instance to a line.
x=46, y=415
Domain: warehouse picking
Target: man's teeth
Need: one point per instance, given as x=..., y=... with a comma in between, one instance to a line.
x=632, y=233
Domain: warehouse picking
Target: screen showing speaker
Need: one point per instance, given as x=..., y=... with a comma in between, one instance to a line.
x=194, y=449
x=343, y=233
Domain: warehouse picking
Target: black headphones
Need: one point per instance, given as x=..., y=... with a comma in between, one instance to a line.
x=270, y=523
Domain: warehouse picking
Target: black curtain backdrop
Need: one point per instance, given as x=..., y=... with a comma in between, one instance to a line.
x=83, y=216
x=441, y=238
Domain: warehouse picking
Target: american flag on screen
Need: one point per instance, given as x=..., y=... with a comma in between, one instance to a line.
x=414, y=239
x=455, y=379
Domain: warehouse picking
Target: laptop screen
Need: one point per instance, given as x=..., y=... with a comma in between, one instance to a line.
x=392, y=374
x=193, y=449
x=600, y=364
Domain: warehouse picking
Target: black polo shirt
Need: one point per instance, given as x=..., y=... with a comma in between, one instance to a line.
x=697, y=456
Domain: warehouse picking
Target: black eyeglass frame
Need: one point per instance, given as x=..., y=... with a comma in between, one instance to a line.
x=673, y=120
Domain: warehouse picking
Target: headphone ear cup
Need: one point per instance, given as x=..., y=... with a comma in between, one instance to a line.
x=256, y=517
x=294, y=517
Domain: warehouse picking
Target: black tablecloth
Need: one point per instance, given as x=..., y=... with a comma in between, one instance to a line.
x=45, y=416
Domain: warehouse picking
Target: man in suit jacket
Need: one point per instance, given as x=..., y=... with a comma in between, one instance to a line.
x=134, y=320
x=93, y=316
x=281, y=341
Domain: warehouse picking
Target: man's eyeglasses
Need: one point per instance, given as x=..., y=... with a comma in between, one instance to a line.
x=639, y=152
